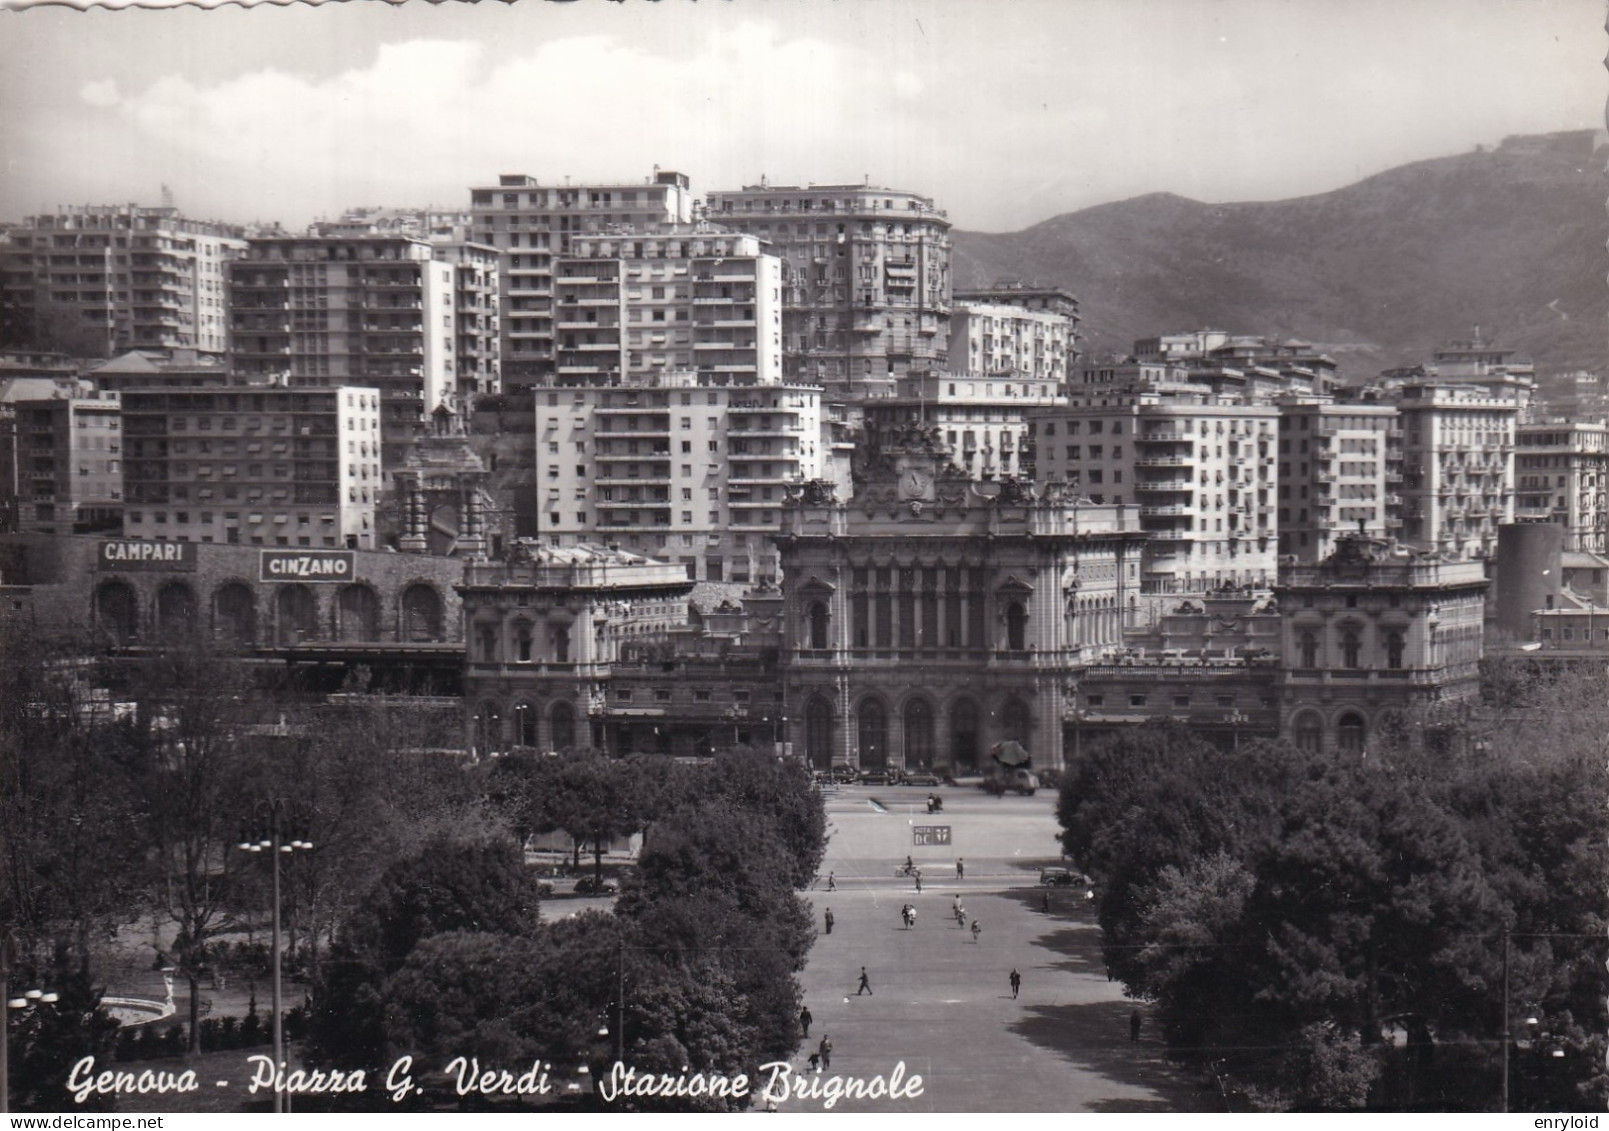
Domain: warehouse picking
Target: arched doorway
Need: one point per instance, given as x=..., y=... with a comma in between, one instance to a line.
x=117, y=612
x=964, y=734
x=818, y=733
x=357, y=614
x=295, y=614
x=873, y=735
x=1350, y=733
x=1308, y=731
x=525, y=725
x=175, y=612
x=563, y=719
x=421, y=614
x=919, y=735
x=234, y=614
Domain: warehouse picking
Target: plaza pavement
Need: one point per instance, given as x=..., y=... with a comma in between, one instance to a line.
x=941, y=1002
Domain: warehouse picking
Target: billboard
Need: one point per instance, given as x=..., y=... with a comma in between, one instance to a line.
x=928, y=836
x=308, y=565
x=128, y=555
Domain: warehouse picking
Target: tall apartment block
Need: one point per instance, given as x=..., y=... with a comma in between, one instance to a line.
x=1201, y=468
x=998, y=340
x=685, y=299
x=370, y=311
x=531, y=226
x=984, y=423
x=1458, y=466
x=475, y=325
x=1562, y=476
x=136, y=278
x=865, y=276
x=679, y=469
x=65, y=462
x=1332, y=474
x=263, y=466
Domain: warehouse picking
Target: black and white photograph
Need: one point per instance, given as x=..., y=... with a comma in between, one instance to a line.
x=804, y=557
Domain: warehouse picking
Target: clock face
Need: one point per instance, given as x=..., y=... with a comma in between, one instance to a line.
x=914, y=483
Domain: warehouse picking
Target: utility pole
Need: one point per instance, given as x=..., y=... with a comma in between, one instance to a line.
x=1505, y=1020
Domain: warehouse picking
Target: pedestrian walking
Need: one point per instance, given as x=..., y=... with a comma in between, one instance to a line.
x=913, y=915
x=1135, y=1023
x=815, y=1062
x=827, y=920
x=1045, y=905
x=905, y=916
x=976, y=930
x=918, y=881
x=865, y=988
x=832, y=884
x=1016, y=982
x=960, y=868
x=805, y=1019
x=826, y=1053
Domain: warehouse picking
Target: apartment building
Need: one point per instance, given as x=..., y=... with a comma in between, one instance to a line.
x=531, y=226
x=1333, y=474
x=475, y=361
x=123, y=276
x=681, y=468
x=685, y=299
x=1002, y=340
x=865, y=277
x=1561, y=469
x=1458, y=466
x=983, y=422
x=1201, y=468
x=257, y=465
x=321, y=312
x=64, y=459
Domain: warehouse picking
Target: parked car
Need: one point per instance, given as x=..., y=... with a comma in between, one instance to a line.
x=1066, y=878
x=591, y=886
x=919, y=777
x=844, y=775
x=874, y=777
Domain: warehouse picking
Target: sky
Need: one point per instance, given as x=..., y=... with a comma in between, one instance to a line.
x=1007, y=112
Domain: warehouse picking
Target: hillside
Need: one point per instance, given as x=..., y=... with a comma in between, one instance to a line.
x=1510, y=239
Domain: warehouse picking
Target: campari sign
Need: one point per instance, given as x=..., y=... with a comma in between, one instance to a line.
x=308, y=565
x=130, y=556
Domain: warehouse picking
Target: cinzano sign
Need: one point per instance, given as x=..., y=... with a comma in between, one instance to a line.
x=308, y=565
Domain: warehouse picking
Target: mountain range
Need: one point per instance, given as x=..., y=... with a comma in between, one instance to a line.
x=1508, y=239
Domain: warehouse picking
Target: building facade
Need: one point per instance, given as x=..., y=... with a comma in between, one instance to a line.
x=865, y=278
x=531, y=226
x=64, y=461
x=253, y=465
x=1561, y=470
x=134, y=277
x=1001, y=340
x=1458, y=467
x=683, y=469
x=984, y=422
x=1332, y=474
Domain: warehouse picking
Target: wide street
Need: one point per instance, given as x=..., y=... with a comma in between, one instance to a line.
x=942, y=1002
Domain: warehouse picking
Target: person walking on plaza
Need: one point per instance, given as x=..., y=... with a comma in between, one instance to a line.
x=1045, y=906
x=1135, y=1022
x=960, y=868
x=865, y=988
x=918, y=881
x=805, y=1019
x=905, y=916
x=826, y=920
x=1016, y=982
x=832, y=884
x=913, y=914
x=826, y=1053
x=976, y=930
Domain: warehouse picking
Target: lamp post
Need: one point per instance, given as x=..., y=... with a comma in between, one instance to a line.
x=1236, y=719
x=29, y=1000
x=272, y=840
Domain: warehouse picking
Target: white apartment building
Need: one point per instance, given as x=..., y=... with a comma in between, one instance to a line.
x=64, y=458
x=1458, y=466
x=532, y=224
x=679, y=468
x=1562, y=476
x=368, y=310
x=1001, y=340
x=137, y=278
x=1332, y=474
x=686, y=299
x=1202, y=470
x=254, y=465
x=983, y=421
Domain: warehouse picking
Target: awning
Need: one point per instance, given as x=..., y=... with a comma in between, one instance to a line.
x=1011, y=753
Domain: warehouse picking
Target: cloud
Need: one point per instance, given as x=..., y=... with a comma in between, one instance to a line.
x=102, y=93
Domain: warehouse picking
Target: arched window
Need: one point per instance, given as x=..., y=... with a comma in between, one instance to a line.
x=1016, y=627
x=918, y=734
x=421, y=614
x=234, y=614
x=818, y=625
x=522, y=641
x=486, y=650
x=1394, y=649
x=488, y=729
x=1309, y=731
x=1351, y=649
x=818, y=733
x=117, y=612
x=175, y=611
x=1309, y=646
x=295, y=614
x=358, y=613
x=563, y=720
x=561, y=644
x=873, y=735
x=1014, y=720
x=964, y=734
x=524, y=725
x=1350, y=733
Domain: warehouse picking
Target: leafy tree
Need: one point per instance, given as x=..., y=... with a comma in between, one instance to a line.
x=764, y=783
x=48, y=1040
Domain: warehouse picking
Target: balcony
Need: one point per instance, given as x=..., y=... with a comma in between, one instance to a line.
x=1182, y=460
x=1165, y=485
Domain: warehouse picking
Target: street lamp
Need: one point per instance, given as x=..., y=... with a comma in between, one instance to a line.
x=273, y=841
x=1236, y=719
x=27, y=1001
